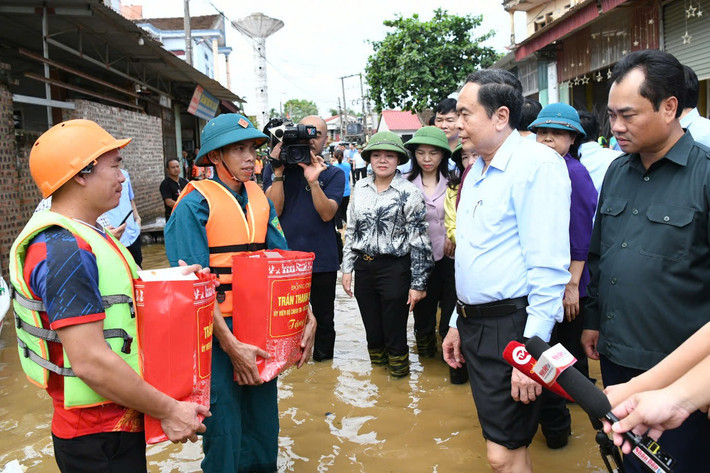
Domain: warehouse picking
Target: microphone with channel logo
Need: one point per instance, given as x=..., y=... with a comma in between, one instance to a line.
x=518, y=357
x=596, y=404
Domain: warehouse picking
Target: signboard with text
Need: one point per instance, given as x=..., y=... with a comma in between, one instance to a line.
x=203, y=104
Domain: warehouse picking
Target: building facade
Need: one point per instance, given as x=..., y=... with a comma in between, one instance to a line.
x=568, y=47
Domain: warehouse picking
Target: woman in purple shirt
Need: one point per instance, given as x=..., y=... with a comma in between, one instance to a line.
x=430, y=173
x=558, y=127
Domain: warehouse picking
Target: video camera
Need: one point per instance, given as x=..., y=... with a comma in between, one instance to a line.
x=294, y=139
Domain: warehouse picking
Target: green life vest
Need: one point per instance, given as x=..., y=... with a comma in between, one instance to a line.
x=116, y=273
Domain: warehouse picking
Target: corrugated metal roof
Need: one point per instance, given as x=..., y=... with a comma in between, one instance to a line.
x=401, y=120
x=88, y=28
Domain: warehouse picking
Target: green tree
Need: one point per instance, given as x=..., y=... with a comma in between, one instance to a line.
x=334, y=112
x=421, y=62
x=297, y=109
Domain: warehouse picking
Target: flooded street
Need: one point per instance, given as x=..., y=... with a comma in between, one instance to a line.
x=339, y=416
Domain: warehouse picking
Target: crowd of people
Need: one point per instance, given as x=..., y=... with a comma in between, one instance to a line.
x=512, y=221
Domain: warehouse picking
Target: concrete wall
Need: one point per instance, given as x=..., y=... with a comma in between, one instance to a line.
x=143, y=159
x=18, y=194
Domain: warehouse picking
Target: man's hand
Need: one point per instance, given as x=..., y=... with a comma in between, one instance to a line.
x=117, y=232
x=312, y=171
x=346, y=281
x=414, y=297
x=570, y=301
x=243, y=358
x=309, y=335
x=522, y=388
x=590, y=338
x=182, y=423
x=451, y=346
x=195, y=268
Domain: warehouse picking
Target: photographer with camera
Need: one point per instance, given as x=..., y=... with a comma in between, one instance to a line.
x=306, y=194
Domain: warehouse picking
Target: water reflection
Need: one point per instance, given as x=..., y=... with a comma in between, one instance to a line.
x=336, y=416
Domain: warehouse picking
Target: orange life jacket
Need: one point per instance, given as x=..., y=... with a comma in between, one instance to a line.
x=230, y=231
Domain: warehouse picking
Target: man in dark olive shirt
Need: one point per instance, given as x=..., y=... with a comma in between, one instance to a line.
x=649, y=256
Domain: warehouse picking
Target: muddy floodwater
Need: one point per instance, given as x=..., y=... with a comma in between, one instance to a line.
x=338, y=416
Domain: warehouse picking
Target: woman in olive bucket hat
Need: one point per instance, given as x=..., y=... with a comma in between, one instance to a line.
x=211, y=221
x=557, y=126
x=387, y=245
x=430, y=173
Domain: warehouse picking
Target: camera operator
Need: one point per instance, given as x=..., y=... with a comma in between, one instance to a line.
x=306, y=197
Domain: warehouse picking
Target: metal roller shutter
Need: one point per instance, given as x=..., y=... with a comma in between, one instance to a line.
x=695, y=53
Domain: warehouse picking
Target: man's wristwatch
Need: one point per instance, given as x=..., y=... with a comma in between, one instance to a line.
x=277, y=178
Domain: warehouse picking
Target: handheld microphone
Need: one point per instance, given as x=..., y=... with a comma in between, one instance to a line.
x=596, y=404
x=518, y=357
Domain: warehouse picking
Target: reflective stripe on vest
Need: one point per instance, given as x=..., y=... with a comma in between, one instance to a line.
x=230, y=231
x=116, y=273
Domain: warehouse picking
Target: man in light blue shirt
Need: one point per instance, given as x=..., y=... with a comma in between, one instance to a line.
x=591, y=154
x=512, y=258
x=690, y=118
x=116, y=216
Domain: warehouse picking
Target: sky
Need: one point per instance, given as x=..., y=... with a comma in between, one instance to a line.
x=320, y=42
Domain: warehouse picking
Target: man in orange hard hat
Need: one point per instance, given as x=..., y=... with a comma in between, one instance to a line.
x=73, y=302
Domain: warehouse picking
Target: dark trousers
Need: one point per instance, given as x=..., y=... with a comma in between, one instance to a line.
x=483, y=340
x=135, y=250
x=323, y=304
x=689, y=444
x=440, y=292
x=359, y=173
x=381, y=290
x=243, y=432
x=341, y=216
x=569, y=334
x=106, y=452
x=555, y=418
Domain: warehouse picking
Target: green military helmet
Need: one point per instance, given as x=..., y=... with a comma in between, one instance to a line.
x=559, y=116
x=386, y=141
x=430, y=135
x=226, y=129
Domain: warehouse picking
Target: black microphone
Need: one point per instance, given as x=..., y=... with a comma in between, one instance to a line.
x=596, y=404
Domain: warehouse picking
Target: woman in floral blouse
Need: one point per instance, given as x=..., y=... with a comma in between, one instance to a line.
x=387, y=245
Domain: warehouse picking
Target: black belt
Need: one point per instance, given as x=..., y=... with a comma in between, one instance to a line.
x=237, y=248
x=368, y=258
x=491, y=309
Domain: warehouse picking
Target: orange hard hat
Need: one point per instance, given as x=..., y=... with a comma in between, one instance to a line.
x=67, y=148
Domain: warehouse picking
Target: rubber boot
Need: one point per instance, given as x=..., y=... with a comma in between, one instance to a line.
x=426, y=344
x=458, y=375
x=378, y=356
x=399, y=365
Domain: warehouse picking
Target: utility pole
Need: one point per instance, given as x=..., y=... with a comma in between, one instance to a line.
x=188, y=33
x=364, y=117
x=345, y=105
x=340, y=113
